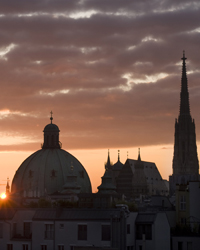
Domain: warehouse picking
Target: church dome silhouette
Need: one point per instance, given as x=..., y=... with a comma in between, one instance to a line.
x=45, y=171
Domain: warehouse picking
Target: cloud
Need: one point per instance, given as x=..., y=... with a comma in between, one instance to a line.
x=109, y=70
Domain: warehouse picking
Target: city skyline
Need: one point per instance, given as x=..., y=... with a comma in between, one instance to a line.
x=110, y=72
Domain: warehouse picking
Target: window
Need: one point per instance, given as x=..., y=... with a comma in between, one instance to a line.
x=180, y=245
x=1, y=230
x=82, y=232
x=105, y=233
x=128, y=229
x=27, y=230
x=183, y=221
x=49, y=231
x=182, y=203
x=24, y=246
x=14, y=229
x=9, y=246
x=81, y=173
x=144, y=229
x=43, y=247
x=189, y=246
x=60, y=247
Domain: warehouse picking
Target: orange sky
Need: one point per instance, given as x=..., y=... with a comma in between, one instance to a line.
x=109, y=70
x=93, y=161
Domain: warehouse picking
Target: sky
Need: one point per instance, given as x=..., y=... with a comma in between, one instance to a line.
x=109, y=70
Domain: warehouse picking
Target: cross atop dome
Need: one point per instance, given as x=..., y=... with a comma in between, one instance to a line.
x=51, y=118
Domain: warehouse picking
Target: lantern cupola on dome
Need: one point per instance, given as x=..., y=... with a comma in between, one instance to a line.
x=51, y=135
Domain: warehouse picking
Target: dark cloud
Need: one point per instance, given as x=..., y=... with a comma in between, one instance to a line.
x=75, y=58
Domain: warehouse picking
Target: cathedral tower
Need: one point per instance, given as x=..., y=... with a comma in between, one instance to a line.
x=185, y=160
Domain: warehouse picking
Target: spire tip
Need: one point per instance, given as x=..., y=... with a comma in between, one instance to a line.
x=51, y=118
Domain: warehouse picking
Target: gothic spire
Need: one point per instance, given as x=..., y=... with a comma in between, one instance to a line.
x=108, y=164
x=118, y=155
x=139, y=158
x=184, y=95
x=108, y=160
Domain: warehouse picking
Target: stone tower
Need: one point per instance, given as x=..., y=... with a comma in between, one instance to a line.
x=185, y=160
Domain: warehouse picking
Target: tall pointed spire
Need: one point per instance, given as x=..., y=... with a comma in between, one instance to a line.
x=108, y=164
x=185, y=160
x=108, y=160
x=118, y=155
x=184, y=95
x=139, y=158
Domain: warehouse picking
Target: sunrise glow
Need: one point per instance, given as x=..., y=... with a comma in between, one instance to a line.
x=3, y=196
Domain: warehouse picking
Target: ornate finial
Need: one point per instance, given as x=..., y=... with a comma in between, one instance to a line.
x=118, y=155
x=51, y=118
x=139, y=159
x=183, y=58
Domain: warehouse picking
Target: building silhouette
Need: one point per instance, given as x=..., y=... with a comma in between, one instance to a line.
x=185, y=160
x=50, y=170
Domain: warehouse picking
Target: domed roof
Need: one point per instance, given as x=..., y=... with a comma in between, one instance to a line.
x=45, y=171
x=51, y=127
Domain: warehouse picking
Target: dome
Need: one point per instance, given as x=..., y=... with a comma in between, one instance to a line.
x=51, y=127
x=45, y=171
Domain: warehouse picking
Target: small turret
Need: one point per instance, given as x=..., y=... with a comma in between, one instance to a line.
x=107, y=186
x=51, y=135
